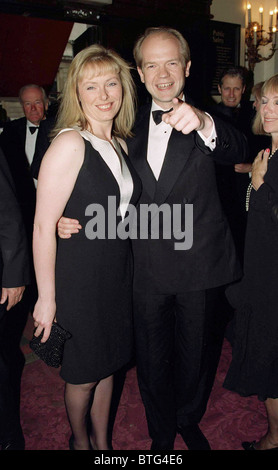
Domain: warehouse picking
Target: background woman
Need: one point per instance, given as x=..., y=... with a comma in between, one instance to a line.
x=90, y=292
x=254, y=367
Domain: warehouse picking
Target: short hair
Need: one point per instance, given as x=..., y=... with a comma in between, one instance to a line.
x=184, y=47
x=101, y=60
x=31, y=85
x=239, y=72
x=269, y=85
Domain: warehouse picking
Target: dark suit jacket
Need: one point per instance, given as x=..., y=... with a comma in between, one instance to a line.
x=187, y=177
x=14, y=262
x=242, y=118
x=12, y=142
x=42, y=144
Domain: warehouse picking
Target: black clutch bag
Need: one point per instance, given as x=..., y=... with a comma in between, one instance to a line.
x=51, y=352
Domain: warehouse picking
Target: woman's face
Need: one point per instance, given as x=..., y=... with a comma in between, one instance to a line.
x=269, y=111
x=100, y=95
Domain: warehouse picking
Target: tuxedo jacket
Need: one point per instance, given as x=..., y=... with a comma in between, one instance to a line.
x=12, y=142
x=14, y=262
x=187, y=177
x=42, y=144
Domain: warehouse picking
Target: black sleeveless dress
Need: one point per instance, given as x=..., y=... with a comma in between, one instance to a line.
x=94, y=278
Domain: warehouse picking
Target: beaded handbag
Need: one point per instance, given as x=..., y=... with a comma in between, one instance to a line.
x=51, y=352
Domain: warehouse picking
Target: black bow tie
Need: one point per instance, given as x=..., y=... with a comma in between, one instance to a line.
x=33, y=129
x=157, y=115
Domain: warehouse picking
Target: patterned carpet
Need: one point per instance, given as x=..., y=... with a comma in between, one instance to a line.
x=228, y=421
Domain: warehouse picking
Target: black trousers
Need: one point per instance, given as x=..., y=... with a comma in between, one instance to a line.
x=11, y=366
x=178, y=345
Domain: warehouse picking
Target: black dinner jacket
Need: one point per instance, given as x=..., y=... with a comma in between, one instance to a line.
x=42, y=143
x=14, y=261
x=12, y=142
x=187, y=177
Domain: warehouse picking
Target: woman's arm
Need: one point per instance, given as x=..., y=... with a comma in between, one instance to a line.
x=58, y=173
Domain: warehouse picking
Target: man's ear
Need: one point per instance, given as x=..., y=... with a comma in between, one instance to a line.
x=187, y=68
x=219, y=89
x=141, y=74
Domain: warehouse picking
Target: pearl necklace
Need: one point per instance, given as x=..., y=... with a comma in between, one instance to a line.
x=250, y=187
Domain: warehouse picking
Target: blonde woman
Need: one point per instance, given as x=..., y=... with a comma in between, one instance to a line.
x=85, y=282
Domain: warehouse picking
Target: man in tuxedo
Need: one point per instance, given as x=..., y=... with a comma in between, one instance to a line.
x=233, y=180
x=177, y=291
x=18, y=142
x=14, y=270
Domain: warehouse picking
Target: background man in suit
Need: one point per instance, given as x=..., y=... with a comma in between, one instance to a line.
x=14, y=270
x=177, y=292
x=233, y=180
x=18, y=142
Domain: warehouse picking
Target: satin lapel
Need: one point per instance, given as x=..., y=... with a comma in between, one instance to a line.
x=22, y=131
x=178, y=151
x=137, y=151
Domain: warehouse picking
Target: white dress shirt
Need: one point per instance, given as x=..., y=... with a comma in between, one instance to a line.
x=30, y=144
x=159, y=135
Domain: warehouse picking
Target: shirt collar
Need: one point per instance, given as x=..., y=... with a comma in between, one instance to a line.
x=155, y=106
x=30, y=124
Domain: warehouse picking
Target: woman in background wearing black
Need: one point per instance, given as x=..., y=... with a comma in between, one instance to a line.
x=254, y=367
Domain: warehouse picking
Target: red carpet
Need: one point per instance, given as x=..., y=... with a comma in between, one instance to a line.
x=228, y=421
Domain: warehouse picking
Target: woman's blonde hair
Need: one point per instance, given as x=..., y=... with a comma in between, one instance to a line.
x=102, y=61
x=270, y=85
x=257, y=90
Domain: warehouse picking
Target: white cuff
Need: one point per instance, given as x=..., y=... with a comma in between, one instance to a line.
x=211, y=140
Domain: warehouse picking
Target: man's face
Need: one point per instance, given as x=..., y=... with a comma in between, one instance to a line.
x=163, y=70
x=33, y=105
x=231, y=91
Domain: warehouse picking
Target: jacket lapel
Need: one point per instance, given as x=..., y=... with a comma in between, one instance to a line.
x=22, y=131
x=178, y=151
x=137, y=150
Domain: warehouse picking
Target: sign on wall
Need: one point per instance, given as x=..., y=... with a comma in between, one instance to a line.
x=225, y=49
